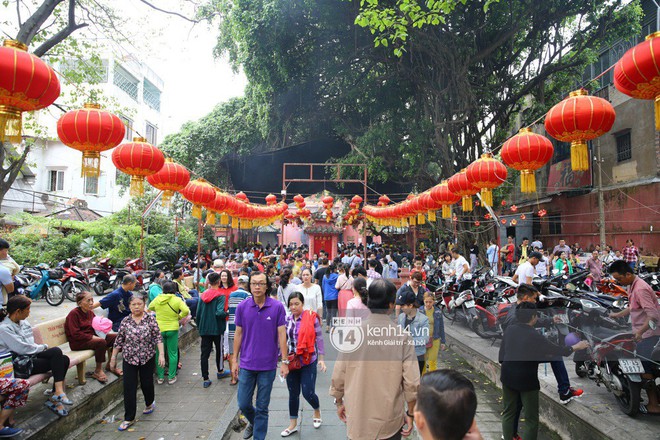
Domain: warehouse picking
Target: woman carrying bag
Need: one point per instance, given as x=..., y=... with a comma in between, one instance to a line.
x=138, y=338
x=344, y=285
x=16, y=337
x=306, y=352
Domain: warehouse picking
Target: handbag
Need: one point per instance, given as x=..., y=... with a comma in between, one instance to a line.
x=23, y=366
x=294, y=362
x=429, y=343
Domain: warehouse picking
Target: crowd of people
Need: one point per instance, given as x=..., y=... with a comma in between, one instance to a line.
x=261, y=310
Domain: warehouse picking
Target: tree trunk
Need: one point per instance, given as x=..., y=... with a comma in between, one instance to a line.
x=9, y=174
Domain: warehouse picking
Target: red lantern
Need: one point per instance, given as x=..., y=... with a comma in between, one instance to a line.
x=271, y=199
x=357, y=200
x=503, y=202
x=637, y=73
x=441, y=195
x=477, y=223
x=486, y=173
x=487, y=216
x=514, y=208
x=298, y=199
x=527, y=152
x=461, y=186
x=328, y=200
x=198, y=192
x=503, y=221
x=172, y=177
x=383, y=200
x=514, y=222
x=542, y=212
x=578, y=119
x=242, y=197
x=138, y=159
x=523, y=216
x=26, y=84
x=91, y=131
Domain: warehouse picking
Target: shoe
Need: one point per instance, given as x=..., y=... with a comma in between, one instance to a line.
x=248, y=432
x=207, y=383
x=7, y=432
x=317, y=423
x=287, y=432
x=225, y=373
x=125, y=425
x=571, y=395
x=193, y=323
x=172, y=381
x=151, y=408
x=160, y=381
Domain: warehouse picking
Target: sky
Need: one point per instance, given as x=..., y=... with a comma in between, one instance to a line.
x=182, y=55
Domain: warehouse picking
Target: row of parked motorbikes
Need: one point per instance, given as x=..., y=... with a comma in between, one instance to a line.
x=481, y=301
x=76, y=275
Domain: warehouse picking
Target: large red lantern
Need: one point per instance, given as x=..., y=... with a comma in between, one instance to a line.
x=461, y=186
x=383, y=200
x=198, y=192
x=171, y=178
x=442, y=196
x=26, y=84
x=271, y=199
x=486, y=173
x=138, y=159
x=637, y=73
x=91, y=131
x=578, y=119
x=527, y=152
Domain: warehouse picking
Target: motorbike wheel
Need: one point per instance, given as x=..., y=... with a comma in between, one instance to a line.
x=580, y=369
x=478, y=328
x=447, y=314
x=100, y=287
x=630, y=397
x=54, y=295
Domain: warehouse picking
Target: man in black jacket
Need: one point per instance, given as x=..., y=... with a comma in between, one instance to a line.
x=522, y=349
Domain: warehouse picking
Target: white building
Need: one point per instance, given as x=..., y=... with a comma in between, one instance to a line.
x=52, y=175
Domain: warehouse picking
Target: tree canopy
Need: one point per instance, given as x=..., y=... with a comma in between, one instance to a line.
x=418, y=117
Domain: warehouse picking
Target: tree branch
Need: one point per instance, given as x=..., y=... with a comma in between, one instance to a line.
x=30, y=28
x=152, y=6
x=62, y=34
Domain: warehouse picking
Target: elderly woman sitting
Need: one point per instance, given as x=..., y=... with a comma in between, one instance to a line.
x=81, y=335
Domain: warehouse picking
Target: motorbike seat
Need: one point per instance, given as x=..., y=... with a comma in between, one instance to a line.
x=625, y=335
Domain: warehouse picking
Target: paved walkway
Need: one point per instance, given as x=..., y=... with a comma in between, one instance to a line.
x=184, y=410
x=488, y=410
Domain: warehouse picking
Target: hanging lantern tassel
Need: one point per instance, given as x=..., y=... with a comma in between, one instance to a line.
x=91, y=164
x=234, y=222
x=412, y=221
x=487, y=196
x=11, y=124
x=527, y=181
x=421, y=219
x=446, y=211
x=579, y=156
x=166, y=199
x=224, y=219
x=432, y=217
x=657, y=113
x=210, y=218
x=196, y=211
x=467, y=203
x=137, y=189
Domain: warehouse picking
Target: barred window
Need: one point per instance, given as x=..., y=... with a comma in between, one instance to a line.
x=623, y=146
x=55, y=180
x=91, y=185
x=151, y=95
x=126, y=82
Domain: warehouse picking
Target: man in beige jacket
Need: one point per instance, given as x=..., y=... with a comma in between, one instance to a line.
x=373, y=384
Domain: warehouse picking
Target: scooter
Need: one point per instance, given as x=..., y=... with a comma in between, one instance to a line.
x=41, y=283
x=73, y=281
x=459, y=306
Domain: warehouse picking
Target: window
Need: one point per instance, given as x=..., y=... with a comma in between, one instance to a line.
x=623, y=147
x=125, y=81
x=152, y=134
x=129, y=127
x=91, y=185
x=55, y=180
x=554, y=223
x=151, y=95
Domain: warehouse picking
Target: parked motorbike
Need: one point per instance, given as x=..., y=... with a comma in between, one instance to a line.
x=41, y=282
x=74, y=280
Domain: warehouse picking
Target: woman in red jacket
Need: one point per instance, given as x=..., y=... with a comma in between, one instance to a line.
x=81, y=335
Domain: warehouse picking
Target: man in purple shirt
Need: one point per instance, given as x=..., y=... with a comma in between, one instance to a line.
x=260, y=327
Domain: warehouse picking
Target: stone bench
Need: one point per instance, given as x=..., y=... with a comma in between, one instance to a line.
x=52, y=334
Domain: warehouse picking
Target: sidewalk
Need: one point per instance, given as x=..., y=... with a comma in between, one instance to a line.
x=184, y=410
x=488, y=409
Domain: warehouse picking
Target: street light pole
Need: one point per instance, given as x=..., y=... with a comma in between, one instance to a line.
x=601, y=198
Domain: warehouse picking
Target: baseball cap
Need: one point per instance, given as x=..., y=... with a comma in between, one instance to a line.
x=243, y=279
x=406, y=297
